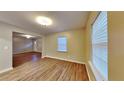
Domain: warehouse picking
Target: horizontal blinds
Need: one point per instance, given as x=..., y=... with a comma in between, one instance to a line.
x=100, y=29
x=99, y=44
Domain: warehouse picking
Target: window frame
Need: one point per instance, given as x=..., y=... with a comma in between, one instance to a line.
x=66, y=44
x=95, y=71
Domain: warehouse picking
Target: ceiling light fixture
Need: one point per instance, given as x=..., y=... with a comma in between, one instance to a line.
x=27, y=36
x=45, y=21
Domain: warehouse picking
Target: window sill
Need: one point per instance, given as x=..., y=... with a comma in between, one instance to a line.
x=62, y=51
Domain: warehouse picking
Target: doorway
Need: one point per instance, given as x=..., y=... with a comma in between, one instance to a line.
x=26, y=48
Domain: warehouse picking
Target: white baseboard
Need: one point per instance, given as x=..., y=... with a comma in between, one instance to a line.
x=42, y=56
x=5, y=70
x=75, y=61
x=88, y=72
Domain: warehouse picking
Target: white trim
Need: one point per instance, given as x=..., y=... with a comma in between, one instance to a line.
x=96, y=73
x=5, y=70
x=88, y=72
x=74, y=61
x=42, y=56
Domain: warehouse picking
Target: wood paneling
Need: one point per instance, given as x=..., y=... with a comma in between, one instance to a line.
x=21, y=58
x=47, y=69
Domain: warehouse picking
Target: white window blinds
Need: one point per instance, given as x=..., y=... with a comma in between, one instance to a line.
x=62, y=44
x=99, y=45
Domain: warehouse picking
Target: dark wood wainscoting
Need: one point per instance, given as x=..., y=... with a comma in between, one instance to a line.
x=21, y=58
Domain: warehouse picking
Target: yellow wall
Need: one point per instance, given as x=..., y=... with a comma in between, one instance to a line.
x=75, y=44
x=116, y=45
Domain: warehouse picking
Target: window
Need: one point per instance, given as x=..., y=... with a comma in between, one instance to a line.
x=99, y=45
x=62, y=44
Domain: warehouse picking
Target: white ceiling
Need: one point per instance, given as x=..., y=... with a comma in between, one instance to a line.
x=62, y=20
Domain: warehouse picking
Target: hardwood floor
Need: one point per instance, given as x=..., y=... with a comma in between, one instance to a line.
x=47, y=69
x=21, y=58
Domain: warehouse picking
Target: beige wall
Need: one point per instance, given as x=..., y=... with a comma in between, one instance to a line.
x=75, y=44
x=6, y=44
x=116, y=45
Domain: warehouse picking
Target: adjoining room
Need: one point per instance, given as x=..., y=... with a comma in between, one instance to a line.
x=26, y=48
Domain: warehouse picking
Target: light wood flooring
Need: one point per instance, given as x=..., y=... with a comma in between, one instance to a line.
x=47, y=69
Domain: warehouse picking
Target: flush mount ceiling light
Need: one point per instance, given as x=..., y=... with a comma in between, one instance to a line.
x=45, y=21
x=27, y=36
